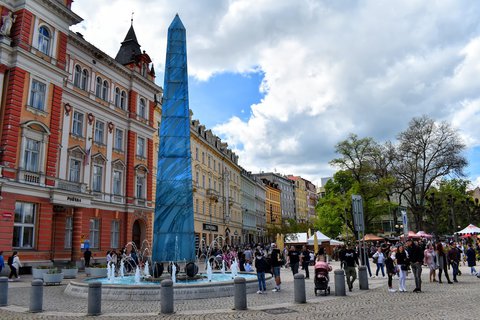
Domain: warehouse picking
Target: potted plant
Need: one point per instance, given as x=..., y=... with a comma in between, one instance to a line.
x=53, y=276
x=98, y=270
x=70, y=271
x=38, y=271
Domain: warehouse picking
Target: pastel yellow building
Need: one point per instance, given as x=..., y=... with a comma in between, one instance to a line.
x=301, y=205
x=273, y=208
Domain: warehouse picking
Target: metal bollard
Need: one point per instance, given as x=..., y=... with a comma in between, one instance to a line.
x=299, y=288
x=240, y=298
x=363, y=278
x=94, y=298
x=166, y=294
x=3, y=291
x=340, y=282
x=36, y=296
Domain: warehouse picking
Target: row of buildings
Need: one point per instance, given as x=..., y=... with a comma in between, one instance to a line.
x=79, y=144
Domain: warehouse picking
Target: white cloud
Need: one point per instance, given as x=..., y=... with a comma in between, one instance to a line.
x=330, y=67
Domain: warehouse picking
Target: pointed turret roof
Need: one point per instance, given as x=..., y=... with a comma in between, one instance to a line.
x=129, y=48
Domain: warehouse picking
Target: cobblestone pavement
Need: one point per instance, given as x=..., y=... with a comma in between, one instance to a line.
x=437, y=301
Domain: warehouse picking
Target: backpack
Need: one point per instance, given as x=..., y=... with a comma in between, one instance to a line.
x=10, y=260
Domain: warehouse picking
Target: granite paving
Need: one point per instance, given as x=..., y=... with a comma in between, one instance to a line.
x=437, y=301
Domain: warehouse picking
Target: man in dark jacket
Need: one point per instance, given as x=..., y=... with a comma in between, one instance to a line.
x=350, y=259
x=415, y=256
x=453, y=257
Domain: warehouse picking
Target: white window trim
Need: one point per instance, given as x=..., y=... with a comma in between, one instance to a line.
x=82, y=134
x=122, y=172
x=143, y=153
x=80, y=177
x=102, y=182
x=47, y=86
x=146, y=108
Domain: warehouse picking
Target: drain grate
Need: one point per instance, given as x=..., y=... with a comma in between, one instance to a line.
x=278, y=311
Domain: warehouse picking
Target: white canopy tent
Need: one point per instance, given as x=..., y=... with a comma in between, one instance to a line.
x=470, y=229
x=320, y=238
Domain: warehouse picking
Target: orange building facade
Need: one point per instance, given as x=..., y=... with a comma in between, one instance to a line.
x=76, y=138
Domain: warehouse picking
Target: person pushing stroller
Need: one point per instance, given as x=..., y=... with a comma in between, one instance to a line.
x=322, y=278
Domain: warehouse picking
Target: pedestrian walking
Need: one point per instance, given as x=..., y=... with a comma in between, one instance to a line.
x=402, y=263
x=379, y=259
x=277, y=262
x=261, y=266
x=453, y=257
x=442, y=263
x=415, y=256
x=87, y=255
x=471, y=257
x=350, y=262
x=294, y=259
x=430, y=261
x=14, y=264
x=305, y=258
x=391, y=269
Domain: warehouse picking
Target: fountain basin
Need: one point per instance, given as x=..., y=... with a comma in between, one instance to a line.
x=189, y=290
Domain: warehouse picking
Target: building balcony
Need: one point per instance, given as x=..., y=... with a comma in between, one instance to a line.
x=30, y=177
x=71, y=186
x=212, y=194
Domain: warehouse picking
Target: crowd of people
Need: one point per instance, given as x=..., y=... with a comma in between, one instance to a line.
x=264, y=259
x=397, y=260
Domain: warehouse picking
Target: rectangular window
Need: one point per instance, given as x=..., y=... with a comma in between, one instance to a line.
x=37, y=95
x=196, y=153
x=203, y=181
x=115, y=234
x=32, y=155
x=97, y=178
x=141, y=147
x=24, y=225
x=196, y=207
x=140, y=187
x=214, y=165
x=94, y=233
x=118, y=140
x=74, y=172
x=68, y=232
x=117, y=182
x=77, y=124
x=203, y=157
x=99, y=132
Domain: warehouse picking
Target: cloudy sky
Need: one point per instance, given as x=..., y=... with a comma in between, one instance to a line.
x=283, y=81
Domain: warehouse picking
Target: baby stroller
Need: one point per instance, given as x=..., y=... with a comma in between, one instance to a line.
x=321, y=277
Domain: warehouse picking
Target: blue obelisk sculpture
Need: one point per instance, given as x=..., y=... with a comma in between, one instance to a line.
x=173, y=229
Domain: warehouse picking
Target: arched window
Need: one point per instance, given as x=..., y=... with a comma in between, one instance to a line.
x=44, y=39
x=142, y=108
x=84, y=83
x=123, y=100
x=98, y=87
x=77, y=76
x=117, y=97
x=105, y=90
